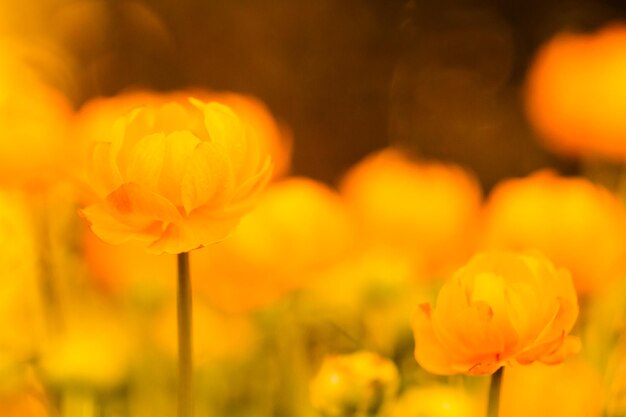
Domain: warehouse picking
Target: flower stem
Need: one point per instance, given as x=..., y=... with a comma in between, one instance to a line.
x=185, y=367
x=494, y=393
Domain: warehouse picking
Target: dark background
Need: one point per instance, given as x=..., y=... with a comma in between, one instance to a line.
x=443, y=78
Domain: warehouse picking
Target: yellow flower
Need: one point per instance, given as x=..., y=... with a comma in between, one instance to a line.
x=299, y=228
x=436, y=401
x=571, y=389
x=218, y=338
x=499, y=308
x=425, y=209
x=358, y=384
x=176, y=176
x=20, y=291
x=578, y=225
x=95, y=349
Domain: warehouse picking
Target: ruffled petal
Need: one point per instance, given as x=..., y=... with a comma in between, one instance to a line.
x=145, y=161
x=570, y=346
x=428, y=352
x=226, y=132
x=247, y=193
x=207, y=177
x=172, y=117
x=133, y=204
x=179, y=147
x=107, y=227
x=102, y=175
x=196, y=232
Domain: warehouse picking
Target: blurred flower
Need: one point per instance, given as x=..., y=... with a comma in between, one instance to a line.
x=176, y=176
x=425, y=209
x=499, y=308
x=435, y=401
x=217, y=337
x=357, y=384
x=34, y=150
x=576, y=93
x=578, y=225
x=94, y=350
x=369, y=295
x=570, y=389
x=20, y=303
x=299, y=228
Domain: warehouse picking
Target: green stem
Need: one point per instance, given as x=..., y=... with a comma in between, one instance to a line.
x=494, y=393
x=185, y=367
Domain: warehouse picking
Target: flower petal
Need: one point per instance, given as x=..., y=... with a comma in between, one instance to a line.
x=226, y=132
x=208, y=176
x=246, y=194
x=101, y=174
x=428, y=352
x=107, y=227
x=570, y=346
x=145, y=161
x=179, y=147
x=194, y=233
x=132, y=203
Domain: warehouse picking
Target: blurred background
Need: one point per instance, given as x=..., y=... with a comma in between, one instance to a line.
x=443, y=78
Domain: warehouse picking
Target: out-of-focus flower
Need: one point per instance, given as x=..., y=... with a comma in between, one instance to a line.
x=34, y=150
x=576, y=93
x=370, y=295
x=357, y=384
x=500, y=308
x=94, y=350
x=578, y=225
x=20, y=301
x=299, y=228
x=217, y=337
x=435, y=401
x=176, y=176
x=570, y=389
x=424, y=208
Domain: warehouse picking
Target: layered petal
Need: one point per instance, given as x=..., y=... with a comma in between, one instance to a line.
x=178, y=175
x=500, y=307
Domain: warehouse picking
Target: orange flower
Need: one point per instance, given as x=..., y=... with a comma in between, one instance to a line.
x=499, y=308
x=578, y=225
x=425, y=209
x=176, y=176
x=576, y=95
